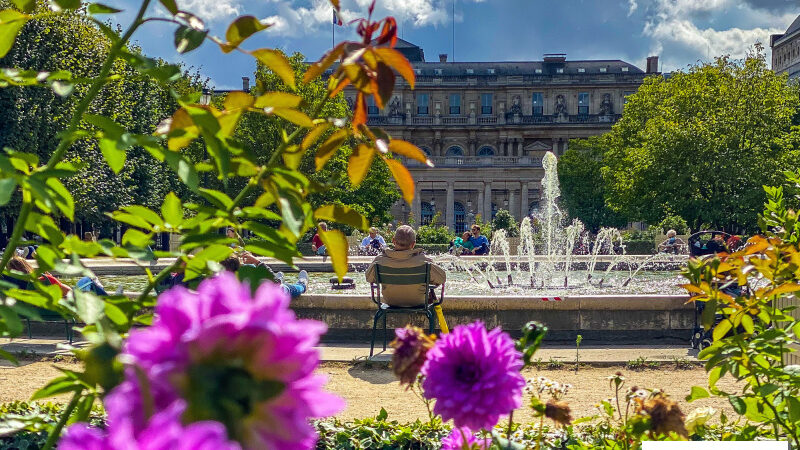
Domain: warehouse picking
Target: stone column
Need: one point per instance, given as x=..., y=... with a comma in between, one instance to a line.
x=487, y=203
x=449, y=213
x=481, y=204
x=512, y=204
x=519, y=147
x=525, y=200
x=416, y=206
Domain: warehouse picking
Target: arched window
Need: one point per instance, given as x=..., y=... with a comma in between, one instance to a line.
x=533, y=208
x=460, y=215
x=486, y=151
x=427, y=213
x=494, y=210
x=426, y=150
x=455, y=151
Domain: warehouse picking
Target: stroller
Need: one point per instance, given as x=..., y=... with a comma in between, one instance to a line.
x=709, y=243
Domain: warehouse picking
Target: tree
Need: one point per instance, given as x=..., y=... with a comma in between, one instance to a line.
x=259, y=134
x=503, y=220
x=583, y=192
x=702, y=143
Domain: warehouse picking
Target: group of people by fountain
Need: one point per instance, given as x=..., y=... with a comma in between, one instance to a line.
x=470, y=243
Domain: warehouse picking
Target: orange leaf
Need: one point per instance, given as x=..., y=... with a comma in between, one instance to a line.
x=403, y=178
x=360, y=113
x=276, y=62
x=398, y=62
x=359, y=164
x=329, y=147
x=322, y=65
x=336, y=246
x=339, y=88
x=409, y=150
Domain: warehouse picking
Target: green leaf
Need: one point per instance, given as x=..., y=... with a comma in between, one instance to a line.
x=172, y=210
x=8, y=357
x=25, y=5
x=99, y=8
x=383, y=415
x=114, y=156
x=721, y=329
x=136, y=238
x=188, y=39
x=738, y=404
x=170, y=5
x=57, y=386
x=7, y=187
x=145, y=213
x=131, y=219
x=62, y=198
x=11, y=320
x=336, y=246
x=697, y=393
x=342, y=214
x=218, y=198
x=794, y=409
x=747, y=324
x=68, y=4
x=11, y=22
x=89, y=306
x=240, y=29
x=276, y=61
x=198, y=265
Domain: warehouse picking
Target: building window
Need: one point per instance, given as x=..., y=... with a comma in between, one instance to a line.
x=460, y=216
x=486, y=104
x=603, y=70
x=538, y=104
x=486, y=151
x=560, y=70
x=583, y=103
x=372, y=110
x=470, y=71
x=581, y=70
x=455, y=104
x=438, y=71
x=538, y=71
x=624, y=69
x=625, y=96
x=490, y=71
x=494, y=210
x=454, y=151
x=426, y=150
x=427, y=213
x=422, y=104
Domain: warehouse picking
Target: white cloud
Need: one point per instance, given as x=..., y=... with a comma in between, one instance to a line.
x=632, y=7
x=294, y=20
x=211, y=10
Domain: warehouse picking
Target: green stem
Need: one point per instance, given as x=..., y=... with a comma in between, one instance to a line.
x=65, y=142
x=159, y=278
x=56, y=432
x=541, y=432
x=510, y=425
x=274, y=158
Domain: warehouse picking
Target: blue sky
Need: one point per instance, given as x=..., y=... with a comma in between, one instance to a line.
x=681, y=32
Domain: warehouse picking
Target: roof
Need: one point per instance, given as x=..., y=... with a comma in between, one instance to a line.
x=412, y=52
x=793, y=29
x=795, y=26
x=483, y=68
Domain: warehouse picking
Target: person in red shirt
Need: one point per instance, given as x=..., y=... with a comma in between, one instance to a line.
x=317, y=246
x=20, y=265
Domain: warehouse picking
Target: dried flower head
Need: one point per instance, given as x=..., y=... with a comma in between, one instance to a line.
x=411, y=346
x=665, y=415
x=558, y=412
x=542, y=385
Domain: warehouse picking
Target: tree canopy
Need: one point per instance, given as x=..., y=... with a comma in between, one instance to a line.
x=699, y=144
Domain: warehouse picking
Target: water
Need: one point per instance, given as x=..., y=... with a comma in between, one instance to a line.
x=462, y=282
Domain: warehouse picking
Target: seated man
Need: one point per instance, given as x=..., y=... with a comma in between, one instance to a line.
x=479, y=242
x=372, y=244
x=404, y=255
x=672, y=244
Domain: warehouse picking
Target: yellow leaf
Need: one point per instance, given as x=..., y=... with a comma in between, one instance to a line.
x=238, y=100
x=277, y=62
x=721, y=330
x=336, y=245
x=396, y=61
x=784, y=288
x=329, y=147
x=403, y=178
x=240, y=29
x=292, y=115
x=360, y=161
x=313, y=135
x=341, y=214
x=277, y=100
x=292, y=157
x=322, y=65
x=409, y=150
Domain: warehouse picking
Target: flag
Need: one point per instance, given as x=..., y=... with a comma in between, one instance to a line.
x=336, y=19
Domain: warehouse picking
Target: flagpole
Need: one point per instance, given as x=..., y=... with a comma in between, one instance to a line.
x=333, y=30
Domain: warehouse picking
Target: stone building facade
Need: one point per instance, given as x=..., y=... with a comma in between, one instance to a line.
x=487, y=125
x=786, y=50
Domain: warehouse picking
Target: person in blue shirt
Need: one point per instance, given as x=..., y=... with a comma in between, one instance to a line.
x=372, y=244
x=479, y=242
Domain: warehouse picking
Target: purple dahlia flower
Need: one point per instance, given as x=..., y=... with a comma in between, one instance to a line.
x=245, y=361
x=164, y=431
x=474, y=376
x=455, y=440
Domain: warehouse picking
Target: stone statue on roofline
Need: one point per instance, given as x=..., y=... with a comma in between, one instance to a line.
x=515, y=106
x=561, y=107
x=394, y=107
x=606, y=107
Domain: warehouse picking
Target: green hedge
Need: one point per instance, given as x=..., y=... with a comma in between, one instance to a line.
x=640, y=247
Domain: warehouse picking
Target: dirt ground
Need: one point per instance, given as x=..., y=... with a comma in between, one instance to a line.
x=367, y=390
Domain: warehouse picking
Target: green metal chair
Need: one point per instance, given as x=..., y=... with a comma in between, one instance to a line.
x=51, y=316
x=404, y=276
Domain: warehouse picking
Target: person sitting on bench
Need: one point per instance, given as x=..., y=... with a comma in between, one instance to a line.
x=18, y=264
x=479, y=242
x=372, y=244
x=404, y=255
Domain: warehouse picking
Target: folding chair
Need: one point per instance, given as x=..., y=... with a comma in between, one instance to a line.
x=403, y=276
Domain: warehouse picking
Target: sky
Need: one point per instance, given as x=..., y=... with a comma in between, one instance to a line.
x=680, y=32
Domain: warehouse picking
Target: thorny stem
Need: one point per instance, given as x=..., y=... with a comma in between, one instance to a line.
x=54, y=434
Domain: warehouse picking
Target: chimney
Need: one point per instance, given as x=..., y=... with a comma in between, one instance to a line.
x=246, y=84
x=442, y=57
x=652, y=64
